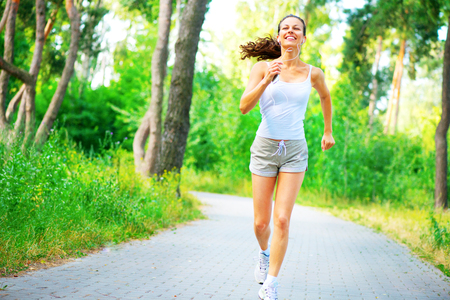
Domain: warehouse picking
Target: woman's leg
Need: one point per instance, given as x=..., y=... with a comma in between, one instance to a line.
x=263, y=188
x=287, y=190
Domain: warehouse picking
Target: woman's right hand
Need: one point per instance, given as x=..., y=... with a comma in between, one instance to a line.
x=260, y=77
x=273, y=70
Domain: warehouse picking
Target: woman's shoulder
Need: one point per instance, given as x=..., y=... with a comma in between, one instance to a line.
x=316, y=71
x=264, y=64
x=260, y=67
x=316, y=74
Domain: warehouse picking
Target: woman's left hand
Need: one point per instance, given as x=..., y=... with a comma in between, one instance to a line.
x=327, y=141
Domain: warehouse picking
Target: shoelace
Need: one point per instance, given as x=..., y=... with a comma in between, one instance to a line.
x=272, y=292
x=263, y=264
x=279, y=151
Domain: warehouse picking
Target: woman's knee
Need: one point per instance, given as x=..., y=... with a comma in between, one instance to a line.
x=282, y=222
x=261, y=225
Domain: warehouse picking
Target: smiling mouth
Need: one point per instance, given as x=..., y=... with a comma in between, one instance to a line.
x=291, y=38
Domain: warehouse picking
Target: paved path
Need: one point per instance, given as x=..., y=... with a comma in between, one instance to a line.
x=327, y=258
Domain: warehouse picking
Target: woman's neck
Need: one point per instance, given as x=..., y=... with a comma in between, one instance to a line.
x=290, y=57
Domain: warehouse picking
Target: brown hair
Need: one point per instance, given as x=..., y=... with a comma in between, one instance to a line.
x=267, y=47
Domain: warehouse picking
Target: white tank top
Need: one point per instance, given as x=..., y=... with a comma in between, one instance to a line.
x=283, y=107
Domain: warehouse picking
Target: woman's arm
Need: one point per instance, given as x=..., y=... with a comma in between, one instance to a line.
x=260, y=77
x=318, y=82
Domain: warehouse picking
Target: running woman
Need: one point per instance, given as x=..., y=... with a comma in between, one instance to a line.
x=279, y=149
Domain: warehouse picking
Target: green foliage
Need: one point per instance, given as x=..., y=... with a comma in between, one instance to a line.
x=415, y=21
x=214, y=106
x=439, y=234
x=58, y=202
x=117, y=108
x=147, y=8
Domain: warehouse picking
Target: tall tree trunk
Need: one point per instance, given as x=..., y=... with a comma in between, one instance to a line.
x=88, y=32
x=20, y=121
x=275, y=19
x=159, y=66
x=177, y=17
x=308, y=9
x=18, y=97
x=13, y=103
x=9, y=57
x=397, y=90
x=51, y=22
x=176, y=125
x=393, y=100
x=140, y=138
x=55, y=104
x=373, y=95
x=142, y=160
x=441, y=189
x=5, y=15
x=34, y=71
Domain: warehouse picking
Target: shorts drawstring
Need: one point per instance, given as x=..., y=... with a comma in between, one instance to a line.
x=281, y=144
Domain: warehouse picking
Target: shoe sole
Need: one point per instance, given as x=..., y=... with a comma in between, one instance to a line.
x=259, y=297
x=259, y=282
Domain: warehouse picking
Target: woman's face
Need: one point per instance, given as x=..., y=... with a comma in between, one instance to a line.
x=291, y=33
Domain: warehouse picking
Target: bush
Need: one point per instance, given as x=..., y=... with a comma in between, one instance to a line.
x=57, y=202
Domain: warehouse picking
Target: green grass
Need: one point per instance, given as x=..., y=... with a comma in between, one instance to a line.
x=60, y=202
x=212, y=182
x=425, y=231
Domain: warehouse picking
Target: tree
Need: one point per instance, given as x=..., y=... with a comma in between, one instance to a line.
x=55, y=104
x=396, y=85
x=90, y=44
x=27, y=93
x=5, y=15
x=374, y=93
x=18, y=97
x=441, y=188
x=9, y=18
x=151, y=124
x=398, y=21
x=176, y=125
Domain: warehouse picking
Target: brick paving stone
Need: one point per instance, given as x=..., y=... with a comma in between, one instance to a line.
x=327, y=258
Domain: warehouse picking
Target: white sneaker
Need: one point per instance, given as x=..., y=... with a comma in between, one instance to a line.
x=269, y=292
x=262, y=268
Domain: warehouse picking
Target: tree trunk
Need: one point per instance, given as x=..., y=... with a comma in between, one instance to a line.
x=393, y=99
x=440, y=190
x=5, y=15
x=139, y=141
x=177, y=16
x=13, y=103
x=397, y=90
x=20, y=121
x=143, y=131
x=9, y=57
x=55, y=104
x=307, y=12
x=88, y=32
x=159, y=66
x=34, y=71
x=373, y=95
x=50, y=22
x=18, y=97
x=176, y=125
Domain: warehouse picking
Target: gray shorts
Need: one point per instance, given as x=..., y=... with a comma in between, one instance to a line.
x=268, y=157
